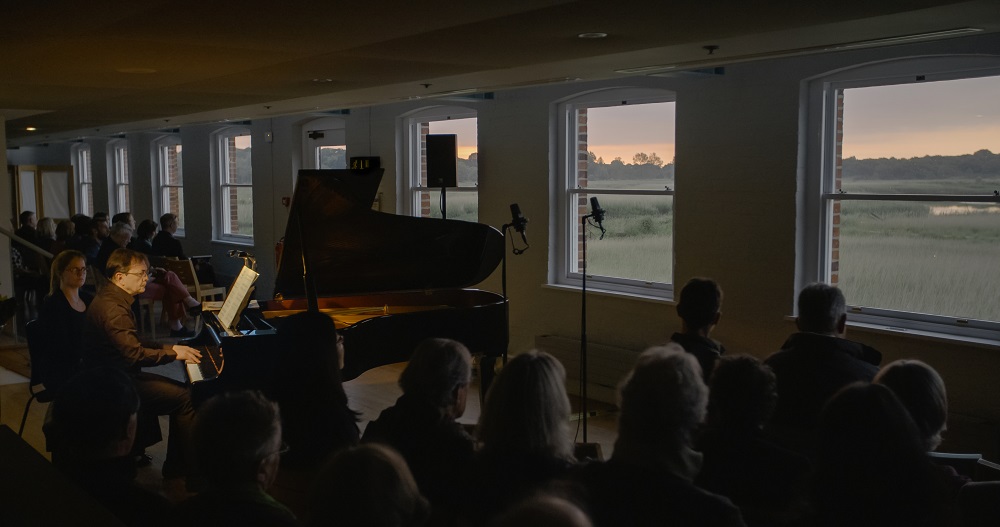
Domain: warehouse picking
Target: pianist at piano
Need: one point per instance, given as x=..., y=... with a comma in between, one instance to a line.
x=110, y=339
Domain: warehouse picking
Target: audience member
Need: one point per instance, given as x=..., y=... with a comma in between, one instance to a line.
x=766, y=481
x=65, y=231
x=237, y=439
x=367, y=486
x=143, y=241
x=165, y=285
x=124, y=217
x=103, y=227
x=525, y=436
x=922, y=392
x=27, y=230
x=699, y=309
x=648, y=480
x=63, y=317
x=91, y=433
x=814, y=363
x=164, y=244
x=421, y=425
x=88, y=237
x=46, y=235
x=28, y=266
x=871, y=465
x=110, y=339
x=543, y=511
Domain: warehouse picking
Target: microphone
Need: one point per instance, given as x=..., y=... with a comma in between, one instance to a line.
x=235, y=253
x=597, y=213
x=518, y=221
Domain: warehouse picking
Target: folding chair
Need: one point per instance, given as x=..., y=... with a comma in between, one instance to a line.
x=39, y=362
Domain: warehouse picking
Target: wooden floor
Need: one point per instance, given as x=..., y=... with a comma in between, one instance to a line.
x=369, y=394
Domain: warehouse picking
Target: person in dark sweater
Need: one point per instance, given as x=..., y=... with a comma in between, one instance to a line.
x=814, y=363
x=422, y=424
x=767, y=482
x=164, y=243
x=91, y=434
x=700, y=308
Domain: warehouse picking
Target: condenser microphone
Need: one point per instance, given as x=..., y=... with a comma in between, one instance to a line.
x=518, y=221
x=597, y=213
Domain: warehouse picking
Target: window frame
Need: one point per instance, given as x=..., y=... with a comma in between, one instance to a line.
x=161, y=184
x=119, y=175
x=815, y=225
x=566, y=194
x=84, y=178
x=411, y=187
x=334, y=130
x=220, y=184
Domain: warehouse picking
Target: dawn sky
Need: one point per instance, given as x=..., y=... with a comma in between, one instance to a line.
x=910, y=120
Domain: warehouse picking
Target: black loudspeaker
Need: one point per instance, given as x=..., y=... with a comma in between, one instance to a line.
x=442, y=160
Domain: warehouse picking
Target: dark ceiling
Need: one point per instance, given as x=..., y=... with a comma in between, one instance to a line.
x=104, y=67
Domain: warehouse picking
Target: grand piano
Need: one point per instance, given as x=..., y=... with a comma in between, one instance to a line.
x=387, y=281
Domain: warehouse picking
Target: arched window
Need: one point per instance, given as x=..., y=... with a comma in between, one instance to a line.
x=233, y=175
x=417, y=197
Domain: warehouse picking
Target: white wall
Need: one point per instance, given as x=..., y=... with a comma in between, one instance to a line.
x=735, y=209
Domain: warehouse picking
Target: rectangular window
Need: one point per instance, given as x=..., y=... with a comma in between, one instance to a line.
x=619, y=149
x=85, y=183
x=235, y=185
x=910, y=199
x=171, y=181
x=122, y=197
x=461, y=202
x=331, y=157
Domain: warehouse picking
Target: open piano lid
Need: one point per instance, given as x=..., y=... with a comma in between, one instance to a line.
x=353, y=249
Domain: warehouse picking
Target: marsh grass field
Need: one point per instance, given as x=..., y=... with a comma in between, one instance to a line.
x=941, y=258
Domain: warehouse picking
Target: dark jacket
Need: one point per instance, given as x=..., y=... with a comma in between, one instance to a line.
x=810, y=368
x=706, y=350
x=110, y=338
x=245, y=506
x=63, y=329
x=619, y=493
x=164, y=244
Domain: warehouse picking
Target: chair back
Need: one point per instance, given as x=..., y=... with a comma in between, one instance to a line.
x=37, y=344
x=185, y=272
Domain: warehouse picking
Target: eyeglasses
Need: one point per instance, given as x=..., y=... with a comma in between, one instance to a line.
x=77, y=270
x=140, y=274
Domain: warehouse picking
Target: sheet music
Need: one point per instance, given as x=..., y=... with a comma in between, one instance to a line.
x=237, y=298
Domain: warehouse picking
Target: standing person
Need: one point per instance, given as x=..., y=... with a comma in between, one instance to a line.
x=111, y=339
x=27, y=229
x=164, y=244
x=63, y=317
x=700, y=308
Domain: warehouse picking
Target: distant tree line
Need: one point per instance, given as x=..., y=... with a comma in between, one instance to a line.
x=968, y=166
x=643, y=166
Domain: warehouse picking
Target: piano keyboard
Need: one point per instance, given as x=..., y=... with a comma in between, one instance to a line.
x=209, y=367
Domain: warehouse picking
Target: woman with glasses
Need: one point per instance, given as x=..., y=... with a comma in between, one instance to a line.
x=63, y=316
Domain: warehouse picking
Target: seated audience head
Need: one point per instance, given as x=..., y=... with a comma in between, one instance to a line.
x=94, y=416
x=121, y=262
x=439, y=373
x=663, y=401
x=922, y=392
x=82, y=225
x=124, y=217
x=97, y=229
x=69, y=268
x=27, y=218
x=168, y=222
x=871, y=463
x=146, y=229
x=47, y=228
x=368, y=486
x=700, y=304
x=743, y=393
x=822, y=309
x=65, y=230
x=527, y=409
x=237, y=439
x=121, y=233
x=543, y=511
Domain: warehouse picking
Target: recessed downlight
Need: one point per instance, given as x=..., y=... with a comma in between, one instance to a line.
x=592, y=35
x=31, y=128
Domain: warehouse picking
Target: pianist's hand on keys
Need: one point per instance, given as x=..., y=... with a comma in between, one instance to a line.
x=188, y=354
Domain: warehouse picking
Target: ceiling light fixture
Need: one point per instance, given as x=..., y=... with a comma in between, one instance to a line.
x=322, y=81
x=31, y=128
x=593, y=35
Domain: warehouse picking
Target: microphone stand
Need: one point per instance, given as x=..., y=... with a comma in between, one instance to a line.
x=583, y=330
x=505, y=230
